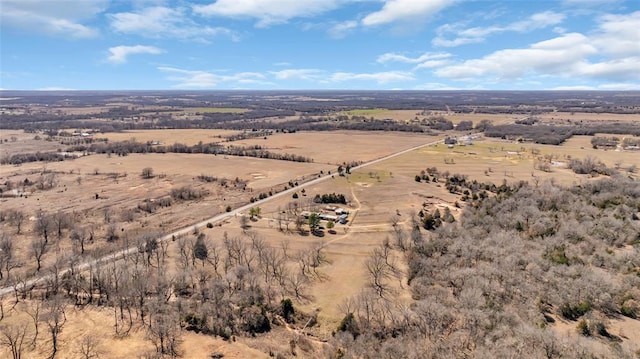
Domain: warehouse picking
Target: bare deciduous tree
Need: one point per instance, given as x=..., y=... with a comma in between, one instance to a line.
x=38, y=249
x=7, y=255
x=17, y=218
x=12, y=336
x=55, y=318
x=79, y=236
x=43, y=226
x=89, y=347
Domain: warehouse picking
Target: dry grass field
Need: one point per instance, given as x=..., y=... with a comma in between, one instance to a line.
x=587, y=116
x=376, y=195
x=408, y=115
x=337, y=147
x=95, y=324
x=168, y=137
x=13, y=142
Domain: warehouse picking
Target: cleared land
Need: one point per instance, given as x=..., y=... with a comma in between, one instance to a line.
x=168, y=137
x=96, y=187
x=337, y=147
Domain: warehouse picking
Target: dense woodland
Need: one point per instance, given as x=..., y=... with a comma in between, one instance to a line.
x=494, y=283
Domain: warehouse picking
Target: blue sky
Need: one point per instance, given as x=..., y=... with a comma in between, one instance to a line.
x=319, y=44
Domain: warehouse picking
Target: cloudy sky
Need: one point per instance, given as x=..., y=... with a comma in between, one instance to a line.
x=319, y=44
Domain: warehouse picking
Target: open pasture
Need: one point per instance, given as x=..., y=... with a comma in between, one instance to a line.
x=170, y=136
x=215, y=110
x=589, y=116
x=495, y=160
x=336, y=147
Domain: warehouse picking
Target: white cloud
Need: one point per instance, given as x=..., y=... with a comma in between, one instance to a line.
x=395, y=57
x=186, y=79
x=619, y=34
x=556, y=56
x=53, y=17
x=573, y=88
x=397, y=10
x=119, y=54
x=340, y=30
x=619, y=87
x=589, y=2
x=479, y=34
x=436, y=86
x=616, y=70
x=267, y=12
x=432, y=63
x=379, y=77
x=426, y=60
x=298, y=74
x=609, y=53
x=55, y=88
x=161, y=22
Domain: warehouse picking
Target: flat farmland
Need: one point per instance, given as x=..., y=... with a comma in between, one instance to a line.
x=494, y=160
x=215, y=110
x=169, y=137
x=336, y=147
x=14, y=142
x=588, y=116
x=259, y=173
x=409, y=115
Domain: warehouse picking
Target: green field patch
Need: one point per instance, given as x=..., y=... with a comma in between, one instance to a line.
x=365, y=112
x=216, y=109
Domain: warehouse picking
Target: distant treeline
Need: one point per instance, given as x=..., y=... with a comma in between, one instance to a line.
x=555, y=135
x=306, y=123
x=125, y=148
x=20, y=158
x=318, y=102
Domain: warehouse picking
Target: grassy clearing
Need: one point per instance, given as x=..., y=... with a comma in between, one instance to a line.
x=365, y=112
x=216, y=109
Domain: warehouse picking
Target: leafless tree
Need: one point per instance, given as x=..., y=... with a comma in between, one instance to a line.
x=43, y=226
x=111, y=233
x=79, y=236
x=17, y=218
x=378, y=273
x=55, y=318
x=60, y=221
x=164, y=329
x=7, y=255
x=185, y=248
x=89, y=347
x=34, y=310
x=12, y=336
x=298, y=285
x=38, y=249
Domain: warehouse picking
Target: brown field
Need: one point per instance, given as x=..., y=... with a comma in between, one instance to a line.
x=169, y=137
x=408, y=115
x=495, y=160
x=339, y=146
x=375, y=194
x=94, y=322
x=587, y=116
x=24, y=143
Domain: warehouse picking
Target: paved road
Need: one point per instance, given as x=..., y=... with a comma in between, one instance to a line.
x=124, y=252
